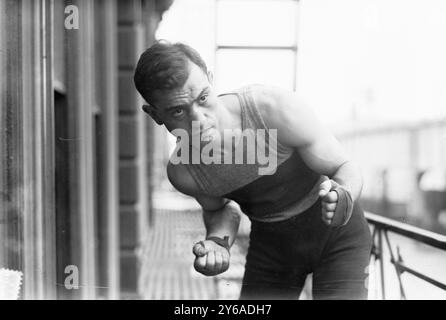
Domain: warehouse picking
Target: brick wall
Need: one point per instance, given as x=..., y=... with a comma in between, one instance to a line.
x=132, y=155
x=137, y=23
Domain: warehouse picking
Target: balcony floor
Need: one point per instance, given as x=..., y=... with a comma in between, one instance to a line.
x=167, y=260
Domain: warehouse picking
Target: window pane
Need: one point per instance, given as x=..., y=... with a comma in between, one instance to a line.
x=237, y=67
x=256, y=22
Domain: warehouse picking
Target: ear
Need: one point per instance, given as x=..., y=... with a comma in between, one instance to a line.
x=153, y=112
x=210, y=77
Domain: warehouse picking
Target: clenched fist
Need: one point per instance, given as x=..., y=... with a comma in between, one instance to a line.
x=329, y=200
x=337, y=203
x=210, y=258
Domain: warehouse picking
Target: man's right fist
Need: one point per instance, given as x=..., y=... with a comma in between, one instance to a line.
x=210, y=258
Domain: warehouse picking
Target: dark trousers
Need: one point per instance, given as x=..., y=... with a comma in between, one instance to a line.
x=281, y=254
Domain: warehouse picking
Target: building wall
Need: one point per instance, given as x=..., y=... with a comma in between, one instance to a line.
x=76, y=150
x=132, y=156
x=137, y=22
x=27, y=202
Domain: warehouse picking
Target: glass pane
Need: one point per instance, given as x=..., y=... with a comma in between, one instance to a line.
x=256, y=22
x=237, y=67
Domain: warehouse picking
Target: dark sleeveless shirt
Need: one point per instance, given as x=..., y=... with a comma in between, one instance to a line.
x=292, y=188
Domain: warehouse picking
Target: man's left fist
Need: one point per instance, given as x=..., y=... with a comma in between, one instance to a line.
x=329, y=200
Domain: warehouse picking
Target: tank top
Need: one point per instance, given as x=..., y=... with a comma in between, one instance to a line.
x=290, y=190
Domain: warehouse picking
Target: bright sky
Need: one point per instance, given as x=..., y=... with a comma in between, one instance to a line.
x=377, y=61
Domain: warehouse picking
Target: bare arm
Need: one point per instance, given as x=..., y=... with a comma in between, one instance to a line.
x=221, y=219
x=221, y=216
x=298, y=127
x=325, y=156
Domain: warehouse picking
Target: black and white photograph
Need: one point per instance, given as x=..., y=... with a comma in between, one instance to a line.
x=222, y=150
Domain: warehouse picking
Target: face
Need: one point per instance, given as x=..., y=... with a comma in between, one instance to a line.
x=195, y=101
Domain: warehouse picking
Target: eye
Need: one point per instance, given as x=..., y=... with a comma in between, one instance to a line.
x=177, y=112
x=203, y=98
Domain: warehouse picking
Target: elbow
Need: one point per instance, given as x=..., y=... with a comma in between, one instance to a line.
x=230, y=211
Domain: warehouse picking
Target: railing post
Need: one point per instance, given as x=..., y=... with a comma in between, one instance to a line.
x=396, y=265
x=381, y=263
x=400, y=260
x=381, y=227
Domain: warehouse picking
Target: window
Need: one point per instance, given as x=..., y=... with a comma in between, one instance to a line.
x=256, y=42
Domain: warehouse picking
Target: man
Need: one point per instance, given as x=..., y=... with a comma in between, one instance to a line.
x=305, y=214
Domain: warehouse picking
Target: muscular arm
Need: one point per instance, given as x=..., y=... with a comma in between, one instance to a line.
x=221, y=218
x=298, y=127
x=325, y=156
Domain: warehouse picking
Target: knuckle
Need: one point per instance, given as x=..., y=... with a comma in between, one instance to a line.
x=198, y=267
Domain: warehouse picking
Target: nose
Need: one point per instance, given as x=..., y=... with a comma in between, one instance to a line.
x=197, y=114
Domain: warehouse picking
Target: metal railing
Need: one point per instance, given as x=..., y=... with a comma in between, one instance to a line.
x=381, y=226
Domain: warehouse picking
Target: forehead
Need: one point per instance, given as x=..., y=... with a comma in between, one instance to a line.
x=194, y=85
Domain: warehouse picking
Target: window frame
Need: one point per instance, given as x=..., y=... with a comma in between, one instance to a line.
x=293, y=48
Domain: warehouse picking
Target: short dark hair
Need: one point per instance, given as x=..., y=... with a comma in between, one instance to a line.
x=164, y=66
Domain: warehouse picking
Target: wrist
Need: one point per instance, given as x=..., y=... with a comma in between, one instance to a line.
x=344, y=207
x=223, y=242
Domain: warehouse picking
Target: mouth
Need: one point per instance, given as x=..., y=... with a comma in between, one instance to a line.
x=207, y=134
x=206, y=129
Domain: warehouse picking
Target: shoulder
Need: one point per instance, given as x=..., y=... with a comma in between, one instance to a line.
x=274, y=102
x=287, y=112
x=180, y=177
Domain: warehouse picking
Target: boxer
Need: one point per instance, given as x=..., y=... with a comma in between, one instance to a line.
x=305, y=215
